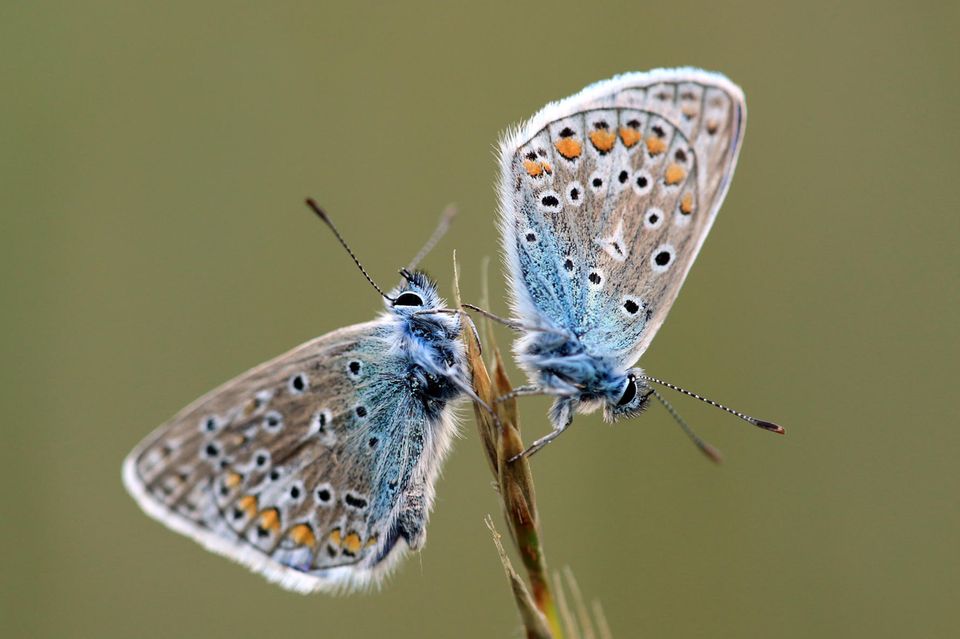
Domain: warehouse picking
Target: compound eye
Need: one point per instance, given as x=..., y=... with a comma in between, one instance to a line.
x=629, y=392
x=408, y=299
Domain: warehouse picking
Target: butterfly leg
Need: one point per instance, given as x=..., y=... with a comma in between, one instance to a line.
x=561, y=414
x=540, y=443
x=520, y=391
x=469, y=392
x=509, y=323
x=514, y=324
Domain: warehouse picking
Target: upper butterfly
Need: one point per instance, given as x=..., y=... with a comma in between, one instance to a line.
x=605, y=200
x=317, y=468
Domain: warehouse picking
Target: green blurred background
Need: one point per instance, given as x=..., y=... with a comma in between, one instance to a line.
x=154, y=243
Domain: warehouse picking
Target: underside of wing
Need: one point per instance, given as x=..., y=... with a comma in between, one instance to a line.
x=607, y=196
x=313, y=469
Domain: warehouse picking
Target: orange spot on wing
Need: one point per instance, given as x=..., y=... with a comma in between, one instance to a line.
x=371, y=542
x=335, y=538
x=629, y=136
x=568, y=148
x=302, y=535
x=674, y=174
x=351, y=543
x=248, y=504
x=686, y=203
x=270, y=520
x=536, y=168
x=232, y=480
x=689, y=110
x=655, y=145
x=712, y=126
x=603, y=140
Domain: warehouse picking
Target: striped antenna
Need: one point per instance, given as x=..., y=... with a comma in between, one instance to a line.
x=704, y=447
x=323, y=216
x=759, y=423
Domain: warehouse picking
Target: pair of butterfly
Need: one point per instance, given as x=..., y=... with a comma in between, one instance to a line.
x=317, y=468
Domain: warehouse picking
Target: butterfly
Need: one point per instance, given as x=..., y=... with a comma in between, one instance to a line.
x=317, y=468
x=605, y=200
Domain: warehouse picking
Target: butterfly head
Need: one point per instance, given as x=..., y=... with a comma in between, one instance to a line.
x=416, y=293
x=628, y=399
x=430, y=335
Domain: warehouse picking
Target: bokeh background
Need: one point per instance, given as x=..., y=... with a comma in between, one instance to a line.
x=153, y=162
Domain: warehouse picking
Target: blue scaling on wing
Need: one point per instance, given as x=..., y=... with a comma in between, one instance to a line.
x=605, y=200
x=316, y=469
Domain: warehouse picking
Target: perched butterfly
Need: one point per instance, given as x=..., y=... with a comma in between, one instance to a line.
x=317, y=468
x=605, y=200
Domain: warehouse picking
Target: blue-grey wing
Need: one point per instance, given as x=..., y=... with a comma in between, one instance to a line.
x=315, y=469
x=607, y=196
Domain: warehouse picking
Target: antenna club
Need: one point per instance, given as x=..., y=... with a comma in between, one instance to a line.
x=773, y=428
x=449, y=213
x=711, y=452
x=312, y=203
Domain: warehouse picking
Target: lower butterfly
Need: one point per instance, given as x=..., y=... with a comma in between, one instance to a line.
x=317, y=469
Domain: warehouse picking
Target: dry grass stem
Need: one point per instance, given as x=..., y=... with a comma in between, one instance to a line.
x=602, y=625
x=581, y=608
x=501, y=441
x=565, y=614
x=499, y=427
x=533, y=620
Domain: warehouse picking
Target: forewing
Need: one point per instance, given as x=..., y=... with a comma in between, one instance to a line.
x=607, y=197
x=283, y=468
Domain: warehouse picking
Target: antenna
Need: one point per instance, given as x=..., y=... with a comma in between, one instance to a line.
x=759, y=423
x=704, y=447
x=323, y=216
x=442, y=227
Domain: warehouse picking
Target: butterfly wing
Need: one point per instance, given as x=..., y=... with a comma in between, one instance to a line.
x=315, y=469
x=607, y=196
